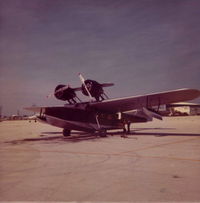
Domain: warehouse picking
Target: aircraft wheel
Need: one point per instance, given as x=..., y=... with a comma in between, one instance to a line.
x=66, y=132
x=124, y=130
x=102, y=133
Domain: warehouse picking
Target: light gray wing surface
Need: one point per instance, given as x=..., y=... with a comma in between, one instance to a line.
x=149, y=100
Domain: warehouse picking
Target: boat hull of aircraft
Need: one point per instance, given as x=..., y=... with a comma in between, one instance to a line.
x=72, y=118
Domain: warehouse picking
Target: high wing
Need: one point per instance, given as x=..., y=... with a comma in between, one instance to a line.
x=41, y=109
x=135, y=102
x=147, y=101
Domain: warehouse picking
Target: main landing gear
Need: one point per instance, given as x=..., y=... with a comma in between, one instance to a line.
x=126, y=130
x=66, y=132
x=102, y=133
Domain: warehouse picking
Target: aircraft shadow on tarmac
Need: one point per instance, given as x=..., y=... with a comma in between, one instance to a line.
x=163, y=133
x=56, y=139
x=159, y=133
x=81, y=136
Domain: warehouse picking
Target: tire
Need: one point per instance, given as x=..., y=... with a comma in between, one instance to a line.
x=66, y=132
x=103, y=133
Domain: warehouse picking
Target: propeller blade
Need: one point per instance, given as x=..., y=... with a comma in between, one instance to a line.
x=83, y=82
x=59, y=90
x=50, y=95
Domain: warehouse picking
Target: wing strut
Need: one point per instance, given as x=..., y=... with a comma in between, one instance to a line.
x=97, y=120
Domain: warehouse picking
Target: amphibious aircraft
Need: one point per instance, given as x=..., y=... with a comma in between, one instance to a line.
x=100, y=113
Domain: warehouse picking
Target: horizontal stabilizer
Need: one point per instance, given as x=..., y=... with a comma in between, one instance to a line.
x=143, y=113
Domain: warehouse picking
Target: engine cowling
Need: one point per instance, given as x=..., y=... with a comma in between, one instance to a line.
x=65, y=93
x=94, y=88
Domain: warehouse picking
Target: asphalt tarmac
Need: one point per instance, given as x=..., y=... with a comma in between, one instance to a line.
x=158, y=161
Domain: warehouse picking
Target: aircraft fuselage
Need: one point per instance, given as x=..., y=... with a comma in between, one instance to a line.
x=81, y=119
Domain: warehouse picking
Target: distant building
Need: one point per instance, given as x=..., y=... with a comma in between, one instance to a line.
x=178, y=109
x=183, y=109
x=16, y=117
x=162, y=109
x=195, y=111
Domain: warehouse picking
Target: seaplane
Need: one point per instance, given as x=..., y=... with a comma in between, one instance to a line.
x=100, y=114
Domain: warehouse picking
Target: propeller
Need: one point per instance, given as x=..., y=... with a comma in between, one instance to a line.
x=85, y=86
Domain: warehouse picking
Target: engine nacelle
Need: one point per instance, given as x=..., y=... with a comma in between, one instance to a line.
x=94, y=88
x=65, y=93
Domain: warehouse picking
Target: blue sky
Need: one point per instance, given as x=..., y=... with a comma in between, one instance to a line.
x=142, y=46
